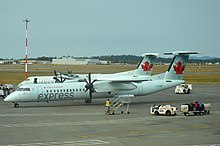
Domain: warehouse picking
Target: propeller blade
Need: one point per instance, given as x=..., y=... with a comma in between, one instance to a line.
x=93, y=90
x=61, y=78
x=56, y=79
x=94, y=81
x=86, y=81
x=86, y=89
x=90, y=94
x=55, y=72
x=90, y=77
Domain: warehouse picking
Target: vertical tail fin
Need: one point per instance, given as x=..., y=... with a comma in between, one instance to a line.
x=177, y=66
x=145, y=67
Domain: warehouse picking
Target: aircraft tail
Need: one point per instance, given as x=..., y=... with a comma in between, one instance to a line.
x=177, y=66
x=145, y=67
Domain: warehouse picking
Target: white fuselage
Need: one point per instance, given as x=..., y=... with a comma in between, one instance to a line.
x=76, y=90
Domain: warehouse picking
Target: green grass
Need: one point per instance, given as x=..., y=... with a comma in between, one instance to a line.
x=14, y=74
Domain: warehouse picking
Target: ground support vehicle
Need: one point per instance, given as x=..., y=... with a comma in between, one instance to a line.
x=191, y=109
x=6, y=89
x=167, y=110
x=183, y=89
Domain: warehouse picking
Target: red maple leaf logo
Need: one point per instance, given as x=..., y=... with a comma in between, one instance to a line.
x=179, y=68
x=146, y=66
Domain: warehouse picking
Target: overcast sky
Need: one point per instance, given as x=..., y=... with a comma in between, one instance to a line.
x=109, y=27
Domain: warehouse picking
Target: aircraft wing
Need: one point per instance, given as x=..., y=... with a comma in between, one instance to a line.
x=124, y=80
x=108, y=86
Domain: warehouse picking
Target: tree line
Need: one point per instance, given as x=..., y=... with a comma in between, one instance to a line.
x=127, y=59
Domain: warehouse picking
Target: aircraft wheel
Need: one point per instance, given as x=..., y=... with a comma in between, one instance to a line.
x=16, y=105
x=128, y=112
x=121, y=112
x=88, y=100
x=186, y=114
x=156, y=113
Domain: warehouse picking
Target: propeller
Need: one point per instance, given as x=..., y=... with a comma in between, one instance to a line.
x=61, y=80
x=89, y=86
x=69, y=72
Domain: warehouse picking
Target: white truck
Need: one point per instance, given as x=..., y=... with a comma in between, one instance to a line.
x=6, y=89
x=167, y=110
x=183, y=89
x=196, y=108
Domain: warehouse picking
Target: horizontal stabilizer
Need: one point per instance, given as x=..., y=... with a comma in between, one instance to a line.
x=181, y=53
x=150, y=54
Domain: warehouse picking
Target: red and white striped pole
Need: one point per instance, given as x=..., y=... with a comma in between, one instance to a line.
x=26, y=49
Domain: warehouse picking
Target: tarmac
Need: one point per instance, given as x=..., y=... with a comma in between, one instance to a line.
x=75, y=123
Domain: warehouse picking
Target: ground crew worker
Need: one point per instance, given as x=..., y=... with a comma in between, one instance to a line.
x=107, y=105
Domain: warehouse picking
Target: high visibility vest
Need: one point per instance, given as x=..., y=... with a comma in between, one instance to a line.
x=107, y=103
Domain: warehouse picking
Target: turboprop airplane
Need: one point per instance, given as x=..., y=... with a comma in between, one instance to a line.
x=104, y=88
x=144, y=68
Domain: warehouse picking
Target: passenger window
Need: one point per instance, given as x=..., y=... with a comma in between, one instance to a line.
x=50, y=90
x=64, y=90
x=70, y=90
x=47, y=91
x=79, y=89
x=73, y=90
x=57, y=90
x=76, y=89
x=67, y=90
x=54, y=90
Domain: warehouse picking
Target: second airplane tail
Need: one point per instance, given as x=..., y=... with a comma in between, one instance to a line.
x=145, y=67
x=177, y=66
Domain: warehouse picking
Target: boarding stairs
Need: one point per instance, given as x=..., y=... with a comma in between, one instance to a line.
x=117, y=102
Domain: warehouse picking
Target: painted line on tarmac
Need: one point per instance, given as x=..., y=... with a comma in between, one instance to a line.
x=202, y=145
x=64, y=143
x=65, y=114
x=209, y=93
x=42, y=115
x=80, y=123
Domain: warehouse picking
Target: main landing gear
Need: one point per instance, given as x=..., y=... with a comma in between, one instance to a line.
x=88, y=100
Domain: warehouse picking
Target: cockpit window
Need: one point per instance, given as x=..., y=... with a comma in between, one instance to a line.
x=23, y=89
x=27, y=89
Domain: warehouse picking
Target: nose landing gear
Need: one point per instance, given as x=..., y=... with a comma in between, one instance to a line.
x=16, y=105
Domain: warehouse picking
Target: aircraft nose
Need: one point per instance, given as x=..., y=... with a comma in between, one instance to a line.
x=9, y=98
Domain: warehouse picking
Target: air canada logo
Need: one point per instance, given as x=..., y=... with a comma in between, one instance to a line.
x=179, y=68
x=146, y=66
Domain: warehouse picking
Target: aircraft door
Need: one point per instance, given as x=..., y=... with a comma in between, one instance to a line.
x=39, y=90
x=140, y=88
